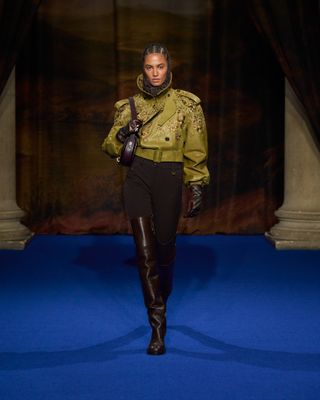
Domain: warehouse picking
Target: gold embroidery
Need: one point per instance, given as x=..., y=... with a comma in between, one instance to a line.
x=194, y=114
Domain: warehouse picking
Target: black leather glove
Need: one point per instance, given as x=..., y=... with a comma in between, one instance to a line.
x=132, y=127
x=194, y=201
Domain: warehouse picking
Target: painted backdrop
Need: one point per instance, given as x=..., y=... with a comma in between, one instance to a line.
x=81, y=57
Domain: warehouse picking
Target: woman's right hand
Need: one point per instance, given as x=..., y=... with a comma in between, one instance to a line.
x=132, y=127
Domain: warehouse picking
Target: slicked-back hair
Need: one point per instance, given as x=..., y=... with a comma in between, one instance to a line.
x=157, y=48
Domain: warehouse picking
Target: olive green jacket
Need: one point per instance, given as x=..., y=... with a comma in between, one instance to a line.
x=173, y=129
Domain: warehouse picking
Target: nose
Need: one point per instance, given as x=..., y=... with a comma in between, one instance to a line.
x=155, y=72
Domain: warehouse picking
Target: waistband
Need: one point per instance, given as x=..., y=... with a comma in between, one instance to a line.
x=157, y=155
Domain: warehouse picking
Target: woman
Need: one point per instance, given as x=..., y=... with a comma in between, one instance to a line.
x=172, y=149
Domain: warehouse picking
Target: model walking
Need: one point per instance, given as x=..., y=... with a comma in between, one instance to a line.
x=172, y=150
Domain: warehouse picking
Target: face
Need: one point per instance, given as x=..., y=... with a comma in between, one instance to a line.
x=155, y=68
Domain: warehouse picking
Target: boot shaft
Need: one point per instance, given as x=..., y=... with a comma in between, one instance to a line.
x=144, y=237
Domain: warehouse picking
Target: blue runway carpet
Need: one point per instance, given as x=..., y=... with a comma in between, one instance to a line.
x=244, y=322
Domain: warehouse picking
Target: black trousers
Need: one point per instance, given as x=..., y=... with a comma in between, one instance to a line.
x=155, y=189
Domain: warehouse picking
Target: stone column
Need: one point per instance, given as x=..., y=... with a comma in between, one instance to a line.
x=13, y=235
x=299, y=215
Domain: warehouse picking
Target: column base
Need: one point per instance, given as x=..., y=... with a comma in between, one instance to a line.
x=13, y=235
x=295, y=230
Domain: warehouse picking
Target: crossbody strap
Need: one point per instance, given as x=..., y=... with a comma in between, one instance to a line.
x=133, y=108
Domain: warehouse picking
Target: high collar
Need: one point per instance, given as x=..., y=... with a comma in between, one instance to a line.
x=162, y=91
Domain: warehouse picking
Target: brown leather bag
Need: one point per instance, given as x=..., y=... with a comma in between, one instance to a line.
x=130, y=144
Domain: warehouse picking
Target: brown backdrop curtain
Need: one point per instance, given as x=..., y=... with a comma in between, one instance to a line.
x=293, y=29
x=15, y=20
x=82, y=57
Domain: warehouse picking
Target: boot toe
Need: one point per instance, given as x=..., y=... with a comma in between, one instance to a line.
x=156, y=348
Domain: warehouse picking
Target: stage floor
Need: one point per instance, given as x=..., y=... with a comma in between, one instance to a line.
x=243, y=322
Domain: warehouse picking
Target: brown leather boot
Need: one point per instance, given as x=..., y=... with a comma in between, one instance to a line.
x=166, y=257
x=145, y=242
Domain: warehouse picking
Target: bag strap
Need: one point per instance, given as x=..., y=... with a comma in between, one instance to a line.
x=133, y=108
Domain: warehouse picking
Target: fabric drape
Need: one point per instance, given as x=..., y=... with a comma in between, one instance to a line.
x=15, y=20
x=292, y=28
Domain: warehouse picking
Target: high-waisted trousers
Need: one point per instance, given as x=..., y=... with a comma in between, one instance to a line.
x=155, y=189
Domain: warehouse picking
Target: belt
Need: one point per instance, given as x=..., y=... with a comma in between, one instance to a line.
x=157, y=155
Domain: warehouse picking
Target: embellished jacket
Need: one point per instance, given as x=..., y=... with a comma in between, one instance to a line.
x=173, y=129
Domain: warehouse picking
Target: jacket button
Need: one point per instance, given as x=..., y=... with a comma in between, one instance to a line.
x=167, y=139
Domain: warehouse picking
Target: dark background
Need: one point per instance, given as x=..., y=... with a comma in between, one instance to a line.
x=80, y=57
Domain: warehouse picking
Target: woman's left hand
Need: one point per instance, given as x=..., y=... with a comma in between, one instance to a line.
x=194, y=202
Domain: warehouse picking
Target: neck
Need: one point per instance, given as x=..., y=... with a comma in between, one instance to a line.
x=155, y=90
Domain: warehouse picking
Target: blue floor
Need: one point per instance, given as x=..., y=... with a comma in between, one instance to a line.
x=244, y=322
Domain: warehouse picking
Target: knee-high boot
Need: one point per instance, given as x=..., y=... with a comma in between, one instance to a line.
x=145, y=242
x=166, y=257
